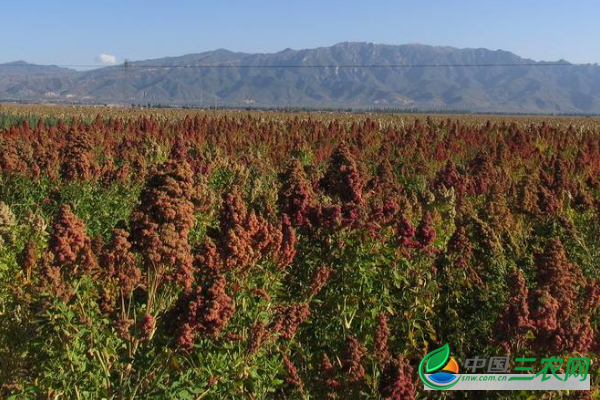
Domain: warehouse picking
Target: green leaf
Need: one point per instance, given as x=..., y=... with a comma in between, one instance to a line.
x=437, y=358
x=184, y=394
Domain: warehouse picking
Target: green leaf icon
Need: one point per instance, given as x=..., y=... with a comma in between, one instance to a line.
x=437, y=358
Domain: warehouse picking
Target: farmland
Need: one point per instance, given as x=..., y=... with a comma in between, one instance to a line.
x=229, y=254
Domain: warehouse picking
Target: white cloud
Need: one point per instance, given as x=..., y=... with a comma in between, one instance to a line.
x=107, y=59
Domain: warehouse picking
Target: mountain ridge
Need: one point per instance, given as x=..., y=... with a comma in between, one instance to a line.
x=268, y=80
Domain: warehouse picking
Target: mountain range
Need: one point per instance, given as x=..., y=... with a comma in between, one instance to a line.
x=345, y=75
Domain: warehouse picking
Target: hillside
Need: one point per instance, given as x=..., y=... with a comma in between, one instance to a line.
x=266, y=80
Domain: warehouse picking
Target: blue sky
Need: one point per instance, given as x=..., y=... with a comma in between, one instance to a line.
x=79, y=31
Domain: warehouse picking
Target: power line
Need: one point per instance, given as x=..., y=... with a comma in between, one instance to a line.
x=132, y=66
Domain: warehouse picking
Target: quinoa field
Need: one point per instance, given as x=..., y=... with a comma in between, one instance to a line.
x=185, y=254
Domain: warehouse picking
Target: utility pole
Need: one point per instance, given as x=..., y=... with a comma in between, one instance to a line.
x=126, y=70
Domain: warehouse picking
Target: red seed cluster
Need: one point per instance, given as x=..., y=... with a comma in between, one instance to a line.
x=460, y=247
x=327, y=375
x=246, y=237
x=147, y=327
x=425, y=233
x=204, y=311
x=69, y=244
x=551, y=310
x=352, y=360
x=449, y=177
x=293, y=377
x=258, y=336
x=382, y=335
x=77, y=162
x=162, y=222
x=287, y=246
x=118, y=261
x=396, y=382
x=209, y=257
x=515, y=321
x=406, y=232
x=288, y=319
x=296, y=195
x=554, y=313
x=319, y=279
x=342, y=179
